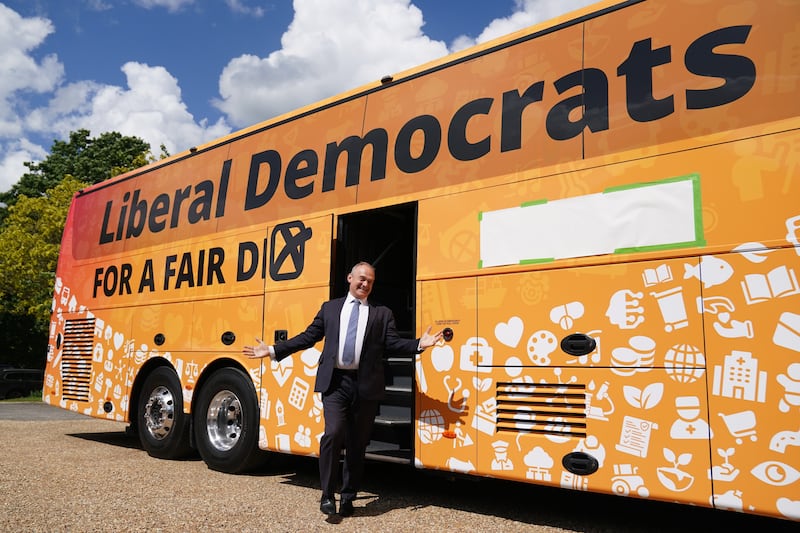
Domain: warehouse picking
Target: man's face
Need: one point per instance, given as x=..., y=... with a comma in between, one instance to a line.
x=361, y=280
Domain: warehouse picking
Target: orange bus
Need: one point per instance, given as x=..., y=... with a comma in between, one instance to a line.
x=598, y=211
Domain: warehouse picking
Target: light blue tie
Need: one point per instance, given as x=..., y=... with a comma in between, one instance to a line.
x=349, y=351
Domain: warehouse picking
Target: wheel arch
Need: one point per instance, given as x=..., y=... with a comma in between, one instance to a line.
x=141, y=376
x=211, y=368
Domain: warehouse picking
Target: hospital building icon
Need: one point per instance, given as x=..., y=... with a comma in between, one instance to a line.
x=740, y=378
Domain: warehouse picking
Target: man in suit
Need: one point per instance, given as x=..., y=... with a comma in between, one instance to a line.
x=350, y=377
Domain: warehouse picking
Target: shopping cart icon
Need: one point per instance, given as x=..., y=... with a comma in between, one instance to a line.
x=741, y=425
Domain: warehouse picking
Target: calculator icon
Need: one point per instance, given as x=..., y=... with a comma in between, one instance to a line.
x=298, y=394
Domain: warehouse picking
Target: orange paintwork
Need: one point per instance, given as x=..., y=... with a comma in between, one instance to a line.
x=692, y=393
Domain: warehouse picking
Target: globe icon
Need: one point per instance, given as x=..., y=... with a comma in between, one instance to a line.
x=431, y=425
x=684, y=363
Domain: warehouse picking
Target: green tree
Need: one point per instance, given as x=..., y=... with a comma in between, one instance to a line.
x=90, y=159
x=29, y=242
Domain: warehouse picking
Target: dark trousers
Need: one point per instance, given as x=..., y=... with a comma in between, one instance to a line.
x=348, y=425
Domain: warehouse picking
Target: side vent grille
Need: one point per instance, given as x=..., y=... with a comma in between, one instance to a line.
x=76, y=359
x=556, y=409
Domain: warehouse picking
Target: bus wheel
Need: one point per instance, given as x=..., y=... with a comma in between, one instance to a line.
x=163, y=426
x=226, y=422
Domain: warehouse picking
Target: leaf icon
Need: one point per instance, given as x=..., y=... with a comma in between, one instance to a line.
x=669, y=455
x=633, y=395
x=684, y=459
x=652, y=394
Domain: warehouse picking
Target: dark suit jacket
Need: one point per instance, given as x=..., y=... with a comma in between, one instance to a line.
x=380, y=340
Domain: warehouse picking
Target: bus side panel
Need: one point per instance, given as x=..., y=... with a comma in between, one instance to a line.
x=636, y=401
x=445, y=376
x=753, y=340
x=291, y=412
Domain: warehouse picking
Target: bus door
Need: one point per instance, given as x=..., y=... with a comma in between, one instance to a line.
x=296, y=261
x=385, y=238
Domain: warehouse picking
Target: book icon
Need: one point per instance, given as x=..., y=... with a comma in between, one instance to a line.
x=777, y=283
x=654, y=276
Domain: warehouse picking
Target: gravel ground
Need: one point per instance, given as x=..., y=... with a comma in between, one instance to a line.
x=66, y=472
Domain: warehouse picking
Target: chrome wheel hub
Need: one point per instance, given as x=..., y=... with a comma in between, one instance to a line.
x=224, y=420
x=159, y=412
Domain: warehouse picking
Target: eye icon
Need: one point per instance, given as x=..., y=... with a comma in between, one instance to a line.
x=775, y=473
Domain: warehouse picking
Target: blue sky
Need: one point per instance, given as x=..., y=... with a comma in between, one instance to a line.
x=183, y=72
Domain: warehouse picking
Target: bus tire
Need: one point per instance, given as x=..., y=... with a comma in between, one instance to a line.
x=226, y=422
x=162, y=425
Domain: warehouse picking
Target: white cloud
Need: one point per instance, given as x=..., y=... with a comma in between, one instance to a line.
x=323, y=53
x=526, y=13
x=15, y=155
x=170, y=5
x=238, y=6
x=150, y=108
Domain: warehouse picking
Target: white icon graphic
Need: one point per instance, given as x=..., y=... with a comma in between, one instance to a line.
x=513, y=368
x=457, y=406
x=262, y=437
x=726, y=471
x=282, y=442
x=303, y=436
x=627, y=480
x=316, y=409
x=461, y=439
x=775, y=473
x=599, y=404
x=643, y=399
x=574, y=481
x=638, y=356
x=755, y=252
x=673, y=308
x=791, y=385
x=741, y=425
x=711, y=271
x=442, y=357
x=310, y=360
x=777, y=283
x=634, y=438
x=509, y=333
x=430, y=426
x=782, y=439
x=787, y=332
x=684, y=363
x=192, y=371
x=457, y=465
x=593, y=447
x=476, y=355
x=541, y=344
x=728, y=501
x=672, y=477
x=282, y=370
x=558, y=429
x=298, y=394
x=653, y=276
x=484, y=418
x=789, y=508
x=793, y=232
x=689, y=425
x=566, y=315
x=264, y=404
x=539, y=464
x=740, y=378
x=481, y=385
x=724, y=325
x=624, y=310
x=501, y=460
x=280, y=414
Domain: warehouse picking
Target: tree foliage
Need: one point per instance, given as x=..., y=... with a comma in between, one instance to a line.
x=29, y=244
x=32, y=217
x=91, y=160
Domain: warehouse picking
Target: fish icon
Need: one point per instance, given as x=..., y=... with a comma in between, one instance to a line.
x=711, y=271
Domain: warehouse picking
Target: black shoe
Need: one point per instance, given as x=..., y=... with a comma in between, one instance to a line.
x=346, y=508
x=327, y=506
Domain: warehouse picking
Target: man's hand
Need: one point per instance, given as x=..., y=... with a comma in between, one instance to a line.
x=259, y=351
x=427, y=340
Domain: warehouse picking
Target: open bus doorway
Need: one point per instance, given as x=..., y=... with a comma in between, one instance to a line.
x=386, y=238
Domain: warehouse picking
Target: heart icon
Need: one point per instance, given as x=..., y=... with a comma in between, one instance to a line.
x=509, y=333
x=119, y=338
